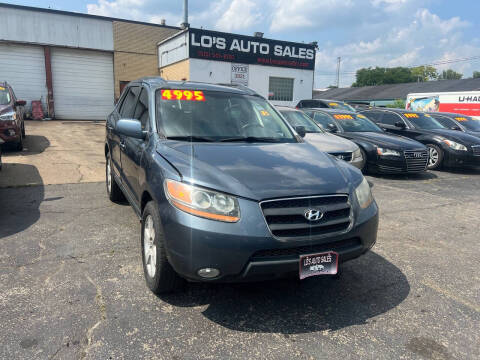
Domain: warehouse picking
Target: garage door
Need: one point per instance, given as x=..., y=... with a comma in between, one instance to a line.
x=82, y=84
x=23, y=67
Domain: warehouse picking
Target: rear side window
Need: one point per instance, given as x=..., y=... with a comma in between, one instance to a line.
x=375, y=116
x=390, y=118
x=141, y=110
x=128, y=105
x=313, y=104
x=448, y=123
x=323, y=119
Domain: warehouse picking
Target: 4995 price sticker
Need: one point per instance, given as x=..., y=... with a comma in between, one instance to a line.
x=190, y=95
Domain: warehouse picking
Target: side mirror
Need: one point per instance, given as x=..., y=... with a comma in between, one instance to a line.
x=131, y=128
x=300, y=130
x=332, y=127
x=400, y=124
x=20, y=103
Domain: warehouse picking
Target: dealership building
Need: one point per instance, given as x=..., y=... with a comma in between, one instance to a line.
x=77, y=64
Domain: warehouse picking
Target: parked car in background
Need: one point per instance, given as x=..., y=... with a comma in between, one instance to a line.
x=458, y=122
x=12, y=126
x=446, y=147
x=384, y=153
x=226, y=190
x=323, y=103
x=334, y=145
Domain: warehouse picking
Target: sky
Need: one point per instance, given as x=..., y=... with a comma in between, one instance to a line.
x=364, y=33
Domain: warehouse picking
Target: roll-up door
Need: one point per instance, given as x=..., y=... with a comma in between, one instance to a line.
x=82, y=84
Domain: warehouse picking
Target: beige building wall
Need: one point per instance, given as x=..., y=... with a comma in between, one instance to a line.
x=177, y=71
x=135, y=50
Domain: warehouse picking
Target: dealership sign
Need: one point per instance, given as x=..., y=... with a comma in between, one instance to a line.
x=214, y=45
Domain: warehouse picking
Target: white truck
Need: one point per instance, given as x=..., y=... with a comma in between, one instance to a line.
x=461, y=102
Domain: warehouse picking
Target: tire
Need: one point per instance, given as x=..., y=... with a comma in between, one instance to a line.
x=114, y=192
x=159, y=274
x=23, y=131
x=364, y=168
x=435, y=157
x=19, y=144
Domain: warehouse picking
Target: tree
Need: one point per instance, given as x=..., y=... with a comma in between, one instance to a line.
x=380, y=76
x=450, y=75
x=476, y=74
x=397, y=104
x=424, y=73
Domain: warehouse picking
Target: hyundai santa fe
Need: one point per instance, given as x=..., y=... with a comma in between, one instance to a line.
x=227, y=191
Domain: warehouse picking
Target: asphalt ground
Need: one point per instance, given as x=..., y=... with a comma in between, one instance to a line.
x=72, y=286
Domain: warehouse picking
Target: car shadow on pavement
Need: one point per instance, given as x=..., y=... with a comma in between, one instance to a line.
x=463, y=171
x=32, y=145
x=426, y=175
x=19, y=206
x=369, y=286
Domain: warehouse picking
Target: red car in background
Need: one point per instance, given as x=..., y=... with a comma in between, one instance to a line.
x=12, y=126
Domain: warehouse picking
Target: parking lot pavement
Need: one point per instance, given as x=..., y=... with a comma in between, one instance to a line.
x=72, y=285
x=56, y=152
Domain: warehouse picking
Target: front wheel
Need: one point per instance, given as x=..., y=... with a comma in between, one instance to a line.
x=159, y=274
x=435, y=157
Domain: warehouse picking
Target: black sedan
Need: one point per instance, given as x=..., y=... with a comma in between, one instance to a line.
x=446, y=147
x=385, y=153
x=458, y=122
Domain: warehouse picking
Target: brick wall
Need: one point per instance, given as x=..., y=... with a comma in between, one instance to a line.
x=177, y=71
x=135, y=50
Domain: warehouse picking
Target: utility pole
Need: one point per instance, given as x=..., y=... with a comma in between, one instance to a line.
x=337, y=84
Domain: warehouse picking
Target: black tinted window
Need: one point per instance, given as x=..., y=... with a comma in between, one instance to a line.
x=141, y=110
x=448, y=123
x=375, y=116
x=312, y=104
x=128, y=105
x=390, y=118
x=323, y=119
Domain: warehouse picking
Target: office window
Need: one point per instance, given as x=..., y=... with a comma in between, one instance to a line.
x=280, y=89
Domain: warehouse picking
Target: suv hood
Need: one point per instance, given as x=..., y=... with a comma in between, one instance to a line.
x=260, y=171
x=386, y=140
x=457, y=136
x=330, y=143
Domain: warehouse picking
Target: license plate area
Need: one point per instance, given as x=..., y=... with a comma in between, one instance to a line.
x=325, y=263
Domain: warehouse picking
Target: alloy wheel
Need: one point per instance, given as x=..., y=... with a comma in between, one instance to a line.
x=109, y=176
x=149, y=247
x=433, y=158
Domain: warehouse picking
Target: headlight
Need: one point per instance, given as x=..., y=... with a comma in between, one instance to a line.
x=202, y=202
x=12, y=115
x=357, y=155
x=364, y=194
x=454, y=145
x=387, y=152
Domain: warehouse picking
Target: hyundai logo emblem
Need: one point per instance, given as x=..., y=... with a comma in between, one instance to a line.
x=313, y=215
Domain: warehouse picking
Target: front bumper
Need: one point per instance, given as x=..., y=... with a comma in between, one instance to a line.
x=9, y=131
x=394, y=165
x=456, y=158
x=246, y=250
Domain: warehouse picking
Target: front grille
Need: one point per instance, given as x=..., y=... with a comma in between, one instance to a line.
x=476, y=150
x=417, y=160
x=286, y=217
x=309, y=249
x=345, y=156
x=390, y=169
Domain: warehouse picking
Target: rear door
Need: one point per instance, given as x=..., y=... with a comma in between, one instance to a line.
x=134, y=149
x=389, y=120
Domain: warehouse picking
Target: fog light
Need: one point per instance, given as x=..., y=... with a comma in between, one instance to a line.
x=208, y=273
x=11, y=132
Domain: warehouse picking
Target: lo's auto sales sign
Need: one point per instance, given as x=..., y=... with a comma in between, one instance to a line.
x=219, y=46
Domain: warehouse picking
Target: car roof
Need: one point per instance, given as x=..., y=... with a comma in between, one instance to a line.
x=445, y=113
x=158, y=82
x=335, y=111
x=395, y=110
x=286, y=108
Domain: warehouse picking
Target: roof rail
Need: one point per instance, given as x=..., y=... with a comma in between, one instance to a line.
x=248, y=90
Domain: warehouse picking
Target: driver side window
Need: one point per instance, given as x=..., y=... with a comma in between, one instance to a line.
x=323, y=120
x=390, y=118
x=448, y=123
x=128, y=106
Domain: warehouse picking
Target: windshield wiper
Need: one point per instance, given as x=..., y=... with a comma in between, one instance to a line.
x=191, y=138
x=250, y=139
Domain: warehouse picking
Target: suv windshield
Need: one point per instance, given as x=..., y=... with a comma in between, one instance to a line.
x=4, y=96
x=192, y=115
x=298, y=118
x=423, y=121
x=356, y=123
x=340, y=106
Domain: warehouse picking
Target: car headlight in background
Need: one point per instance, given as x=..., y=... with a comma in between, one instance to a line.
x=454, y=145
x=364, y=194
x=357, y=155
x=387, y=152
x=11, y=115
x=202, y=202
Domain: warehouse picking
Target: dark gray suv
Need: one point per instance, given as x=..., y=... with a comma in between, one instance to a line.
x=226, y=190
